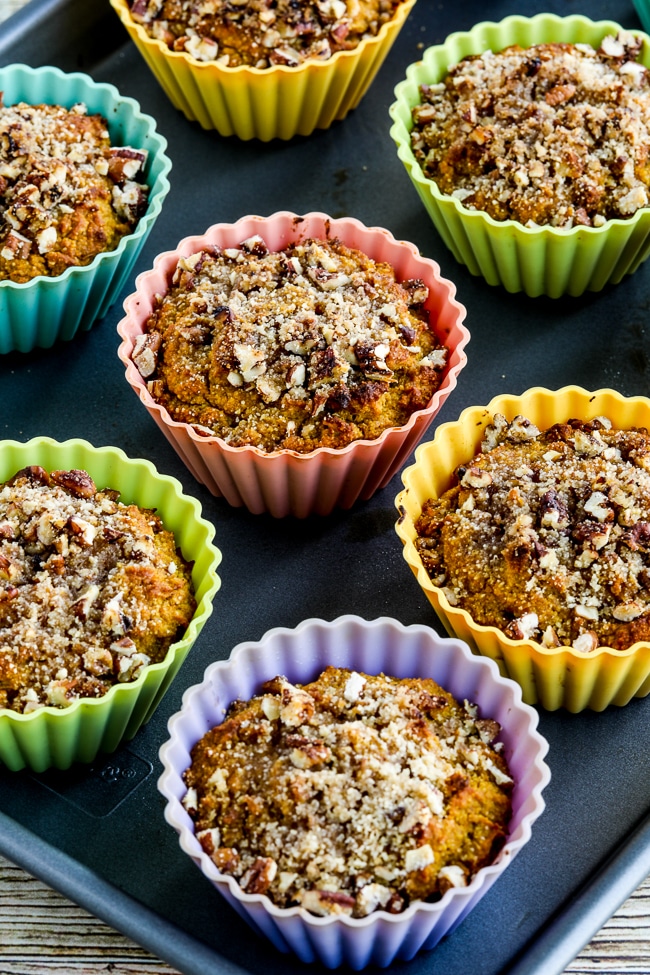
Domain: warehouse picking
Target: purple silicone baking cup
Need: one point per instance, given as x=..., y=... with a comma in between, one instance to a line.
x=382, y=645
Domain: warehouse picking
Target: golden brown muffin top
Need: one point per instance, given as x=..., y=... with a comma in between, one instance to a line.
x=546, y=535
x=262, y=33
x=91, y=590
x=66, y=194
x=350, y=794
x=554, y=134
x=312, y=346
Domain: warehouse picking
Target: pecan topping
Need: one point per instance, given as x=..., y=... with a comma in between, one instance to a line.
x=313, y=331
x=145, y=353
x=560, y=541
x=258, y=877
x=285, y=32
x=78, y=483
x=540, y=135
x=357, y=834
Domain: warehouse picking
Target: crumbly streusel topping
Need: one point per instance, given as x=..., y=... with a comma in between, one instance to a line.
x=65, y=193
x=553, y=134
x=547, y=534
x=91, y=590
x=315, y=345
x=350, y=794
x=262, y=33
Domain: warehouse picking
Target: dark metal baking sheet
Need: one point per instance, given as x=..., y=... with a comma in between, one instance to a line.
x=98, y=833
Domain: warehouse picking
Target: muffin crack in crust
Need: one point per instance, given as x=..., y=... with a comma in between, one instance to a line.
x=91, y=590
x=66, y=194
x=554, y=134
x=546, y=535
x=262, y=33
x=312, y=346
x=350, y=794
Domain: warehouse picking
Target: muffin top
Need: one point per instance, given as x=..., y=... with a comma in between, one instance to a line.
x=262, y=33
x=312, y=346
x=554, y=134
x=350, y=794
x=91, y=590
x=546, y=534
x=66, y=194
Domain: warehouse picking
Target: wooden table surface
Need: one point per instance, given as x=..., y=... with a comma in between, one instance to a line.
x=42, y=933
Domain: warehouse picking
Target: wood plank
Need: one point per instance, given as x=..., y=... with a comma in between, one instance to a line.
x=42, y=933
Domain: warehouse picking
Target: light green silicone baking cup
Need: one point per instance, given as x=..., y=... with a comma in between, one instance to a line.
x=42, y=311
x=536, y=260
x=58, y=737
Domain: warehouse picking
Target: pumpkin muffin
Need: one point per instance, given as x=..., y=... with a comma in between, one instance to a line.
x=316, y=345
x=554, y=134
x=259, y=33
x=91, y=590
x=66, y=194
x=350, y=794
x=546, y=534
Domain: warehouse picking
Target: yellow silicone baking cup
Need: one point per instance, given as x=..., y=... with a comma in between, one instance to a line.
x=553, y=678
x=537, y=260
x=58, y=737
x=266, y=103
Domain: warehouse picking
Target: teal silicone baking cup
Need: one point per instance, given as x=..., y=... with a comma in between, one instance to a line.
x=536, y=260
x=47, y=309
x=57, y=737
x=642, y=8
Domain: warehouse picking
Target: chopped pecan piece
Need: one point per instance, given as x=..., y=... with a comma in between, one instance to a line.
x=76, y=482
x=145, y=353
x=258, y=878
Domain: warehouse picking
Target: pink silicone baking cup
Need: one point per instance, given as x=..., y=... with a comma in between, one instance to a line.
x=382, y=645
x=284, y=482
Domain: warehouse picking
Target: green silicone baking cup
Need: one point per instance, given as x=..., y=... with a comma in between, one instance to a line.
x=42, y=311
x=536, y=260
x=58, y=737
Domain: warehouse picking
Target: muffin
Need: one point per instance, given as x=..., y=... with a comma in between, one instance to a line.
x=315, y=345
x=273, y=73
x=67, y=194
x=262, y=35
x=369, y=792
x=114, y=590
x=301, y=730
x=529, y=169
x=123, y=568
x=525, y=524
x=83, y=177
x=292, y=361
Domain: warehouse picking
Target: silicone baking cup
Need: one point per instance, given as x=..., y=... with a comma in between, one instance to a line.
x=382, y=645
x=562, y=677
x=284, y=482
x=265, y=103
x=537, y=260
x=642, y=8
x=57, y=737
x=46, y=309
